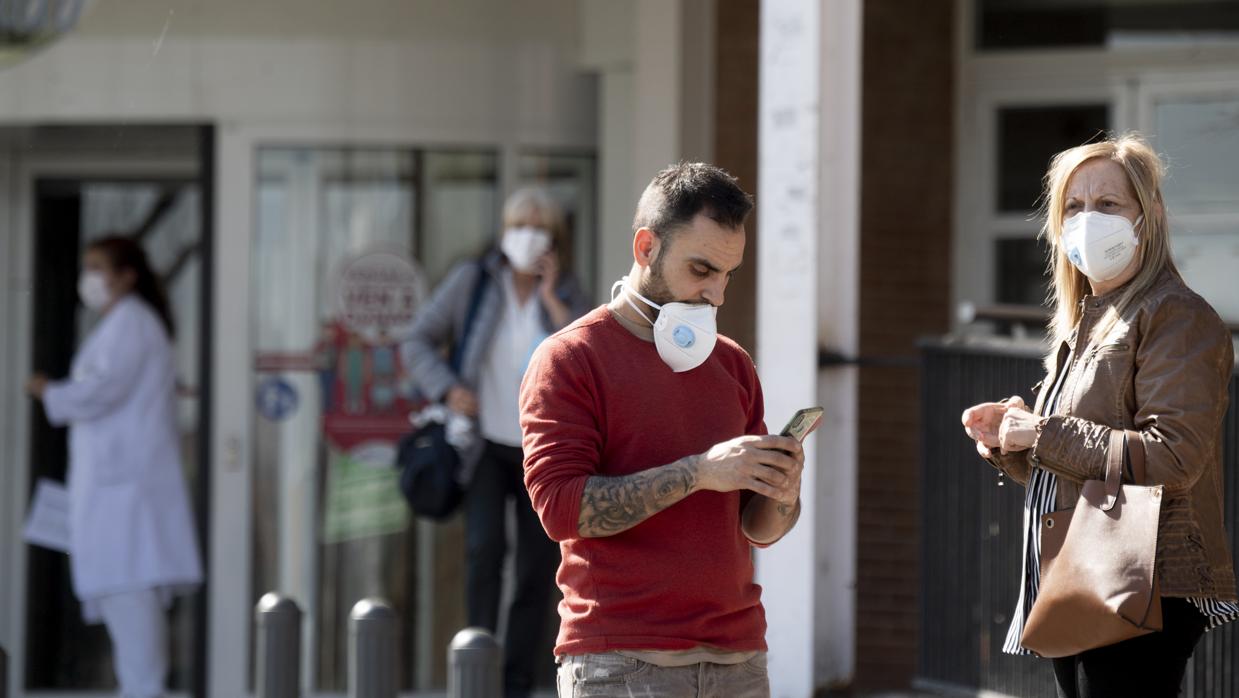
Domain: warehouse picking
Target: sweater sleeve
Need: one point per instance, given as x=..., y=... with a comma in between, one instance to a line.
x=562, y=436
x=757, y=402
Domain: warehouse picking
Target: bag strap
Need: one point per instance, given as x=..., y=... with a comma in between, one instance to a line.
x=1135, y=455
x=475, y=303
x=1114, y=469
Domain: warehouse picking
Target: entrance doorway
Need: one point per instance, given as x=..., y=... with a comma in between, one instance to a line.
x=68, y=187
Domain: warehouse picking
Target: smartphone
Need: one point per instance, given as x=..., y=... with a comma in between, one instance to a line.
x=803, y=423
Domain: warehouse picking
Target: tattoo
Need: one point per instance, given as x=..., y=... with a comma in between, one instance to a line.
x=612, y=505
x=765, y=520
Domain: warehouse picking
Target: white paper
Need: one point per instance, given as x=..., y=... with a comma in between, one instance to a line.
x=47, y=526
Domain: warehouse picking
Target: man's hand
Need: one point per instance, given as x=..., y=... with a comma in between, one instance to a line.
x=771, y=466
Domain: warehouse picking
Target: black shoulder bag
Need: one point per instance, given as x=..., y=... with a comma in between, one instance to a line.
x=429, y=465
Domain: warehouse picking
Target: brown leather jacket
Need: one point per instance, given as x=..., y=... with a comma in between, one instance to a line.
x=1164, y=371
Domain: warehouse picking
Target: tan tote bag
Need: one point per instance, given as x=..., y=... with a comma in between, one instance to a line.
x=1098, y=585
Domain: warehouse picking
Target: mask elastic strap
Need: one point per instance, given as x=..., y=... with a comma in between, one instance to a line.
x=622, y=283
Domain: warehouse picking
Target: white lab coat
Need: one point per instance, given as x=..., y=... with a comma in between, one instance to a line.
x=130, y=526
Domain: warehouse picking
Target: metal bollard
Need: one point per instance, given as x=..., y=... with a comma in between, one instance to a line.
x=277, y=665
x=474, y=665
x=372, y=650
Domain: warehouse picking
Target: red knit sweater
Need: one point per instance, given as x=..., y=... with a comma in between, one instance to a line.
x=597, y=400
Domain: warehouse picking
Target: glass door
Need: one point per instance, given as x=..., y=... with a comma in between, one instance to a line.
x=347, y=242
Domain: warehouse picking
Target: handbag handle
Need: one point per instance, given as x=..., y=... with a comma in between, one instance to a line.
x=1114, y=469
x=1135, y=454
x=1122, y=443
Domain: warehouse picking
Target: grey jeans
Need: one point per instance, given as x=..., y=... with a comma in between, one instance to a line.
x=598, y=675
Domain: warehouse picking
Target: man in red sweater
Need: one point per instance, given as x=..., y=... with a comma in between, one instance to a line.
x=647, y=459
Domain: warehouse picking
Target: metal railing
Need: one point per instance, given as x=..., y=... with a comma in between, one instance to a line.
x=971, y=537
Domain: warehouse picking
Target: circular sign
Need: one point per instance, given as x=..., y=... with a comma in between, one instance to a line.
x=378, y=295
x=277, y=399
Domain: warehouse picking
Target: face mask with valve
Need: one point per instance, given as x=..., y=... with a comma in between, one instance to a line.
x=684, y=333
x=1100, y=245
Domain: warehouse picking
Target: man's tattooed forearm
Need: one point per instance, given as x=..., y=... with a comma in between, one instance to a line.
x=614, y=504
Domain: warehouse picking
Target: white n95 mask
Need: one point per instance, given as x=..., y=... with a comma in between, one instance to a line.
x=524, y=247
x=684, y=334
x=92, y=288
x=1100, y=245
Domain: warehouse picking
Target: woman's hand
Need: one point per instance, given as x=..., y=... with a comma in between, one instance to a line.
x=462, y=401
x=1018, y=431
x=548, y=272
x=36, y=385
x=984, y=423
x=981, y=422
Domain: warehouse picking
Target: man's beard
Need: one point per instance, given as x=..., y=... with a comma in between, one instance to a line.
x=654, y=286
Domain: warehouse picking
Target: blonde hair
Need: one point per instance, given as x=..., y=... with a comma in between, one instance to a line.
x=527, y=200
x=1144, y=173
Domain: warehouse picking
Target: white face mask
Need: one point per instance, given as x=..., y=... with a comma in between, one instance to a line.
x=93, y=290
x=524, y=247
x=1100, y=245
x=684, y=333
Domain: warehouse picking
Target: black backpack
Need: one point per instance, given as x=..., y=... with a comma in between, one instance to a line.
x=429, y=465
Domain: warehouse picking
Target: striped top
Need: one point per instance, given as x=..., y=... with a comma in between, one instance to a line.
x=1039, y=500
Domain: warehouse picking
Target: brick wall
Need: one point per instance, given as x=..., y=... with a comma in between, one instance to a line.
x=906, y=193
x=735, y=147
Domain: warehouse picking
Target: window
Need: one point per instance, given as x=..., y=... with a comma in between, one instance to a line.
x=1046, y=24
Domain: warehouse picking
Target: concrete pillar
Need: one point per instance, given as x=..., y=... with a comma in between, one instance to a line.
x=807, y=296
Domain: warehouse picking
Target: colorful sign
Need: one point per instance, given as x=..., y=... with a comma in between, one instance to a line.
x=363, y=497
x=367, y=395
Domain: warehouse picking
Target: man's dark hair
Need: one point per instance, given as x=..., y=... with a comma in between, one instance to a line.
x=677, y=194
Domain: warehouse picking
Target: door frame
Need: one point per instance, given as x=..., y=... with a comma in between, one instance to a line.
x=17, y=189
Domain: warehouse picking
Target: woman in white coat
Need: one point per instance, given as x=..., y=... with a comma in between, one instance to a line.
x=132, y=540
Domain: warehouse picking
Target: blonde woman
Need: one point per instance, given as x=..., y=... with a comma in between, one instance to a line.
x=526, y=294
x=1132, y=348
